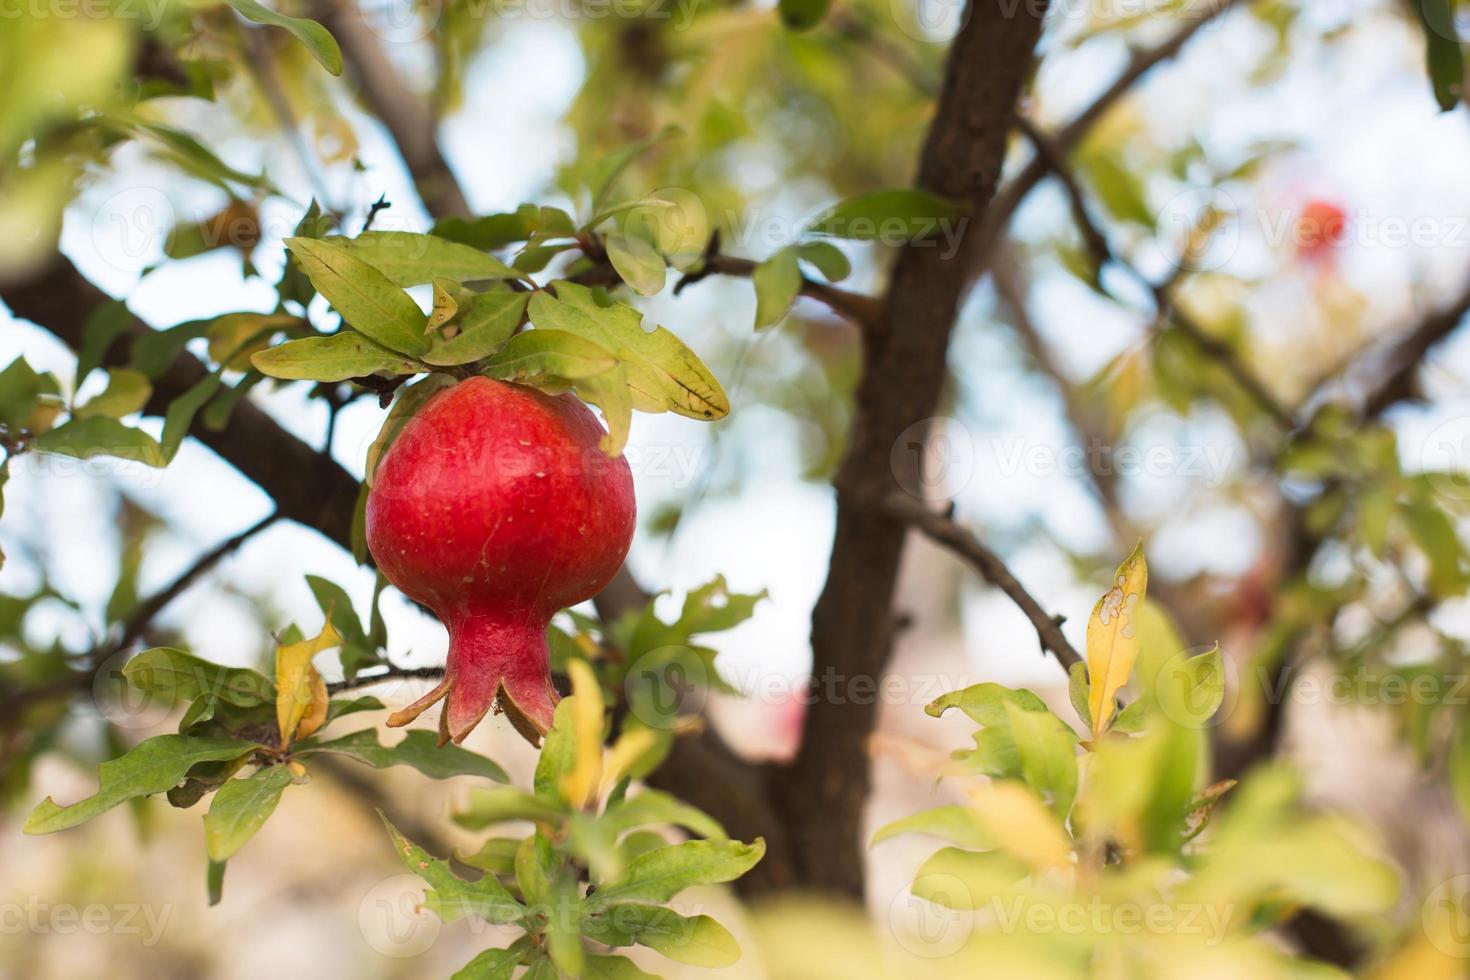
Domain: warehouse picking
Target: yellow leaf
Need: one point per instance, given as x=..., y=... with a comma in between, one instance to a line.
x=1112, y=637
x=580, y=783
x=296, y=695
x=1022, y=825
x=625, y=752
x=316, y=711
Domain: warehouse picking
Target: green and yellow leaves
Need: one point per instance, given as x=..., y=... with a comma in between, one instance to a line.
x=411, y=259
x=549, y=356
x=484, y=325
x=663, y=374
x=317, y=39
x=367, y=299
x=332, y=358
x=153, y=766
x=1112, y=638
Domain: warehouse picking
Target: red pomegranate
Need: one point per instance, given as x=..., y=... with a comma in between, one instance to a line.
x=495, y=508
x=1321, y=228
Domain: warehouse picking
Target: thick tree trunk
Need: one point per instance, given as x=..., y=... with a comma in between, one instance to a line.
x=822, y=793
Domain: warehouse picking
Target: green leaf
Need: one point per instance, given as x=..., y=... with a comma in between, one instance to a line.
x=1190, y=689
x=610, y=392
x=357, y=650
x=20, y=386
x=499, y=804
x=491, y=964
x=660, y=874
x=104, y=325
x=986, y=703
x=182, y=677
x=181, y=412
x=828, y=259
x=496, y=855
x=155, y=351
x=654, y=807
x=419, y=749
x=553, y=355
x=558, y=753
x=450, y=897
x=662, y=373
x=965, y=880
x=240, y=808
x=1443, y=57
x=637, y=262
x=127, y=392
x=777, y=284
x=489, y=322
x=613, y=968
x=334, y=358
x=1048, y=754
x=957, y=824
x=693, y=940
x=412, y=259
x=366, y=298
x=1434, y=533
x=153, y=766
x=317, y=39
x=100, y=436
x=491, y=231
x=802, y=15
x=892, y=216
x=1077, y=691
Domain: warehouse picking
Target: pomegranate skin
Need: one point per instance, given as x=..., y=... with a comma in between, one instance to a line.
x=495, y=508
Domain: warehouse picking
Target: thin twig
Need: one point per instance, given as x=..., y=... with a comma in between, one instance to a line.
x=1221, y=352
x=393, y=673
x=943, y=530
x=136, y=623
x=862, y=310
x=1008, y=199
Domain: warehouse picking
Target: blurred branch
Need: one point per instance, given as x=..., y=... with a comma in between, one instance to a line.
x=1221, y=352
x=1405, y=357
x=942, y=529
x=1008, y=199
x=853, y=25
x=308, y=488
x=140, y=618
x=862, y=310
x=407, y=117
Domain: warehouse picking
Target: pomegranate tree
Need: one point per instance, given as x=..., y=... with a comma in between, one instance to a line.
x=495, y=507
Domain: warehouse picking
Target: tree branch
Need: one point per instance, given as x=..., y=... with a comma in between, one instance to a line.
x=941, y=529
x=1221, y=352
x=1009, y=198
x=823, y=792
x=408, y=119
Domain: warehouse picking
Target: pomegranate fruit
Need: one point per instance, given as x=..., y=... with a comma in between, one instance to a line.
x=495, y=508
x=1321, y=228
